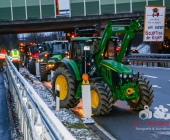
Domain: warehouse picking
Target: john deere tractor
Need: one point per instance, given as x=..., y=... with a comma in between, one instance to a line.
x=110, y=80
x=56, y=50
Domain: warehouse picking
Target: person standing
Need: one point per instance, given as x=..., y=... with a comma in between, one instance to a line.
x=15, y=57
x=2, y=57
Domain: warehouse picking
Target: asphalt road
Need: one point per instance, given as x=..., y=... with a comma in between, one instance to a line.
x=121, y=123
x=5, y=132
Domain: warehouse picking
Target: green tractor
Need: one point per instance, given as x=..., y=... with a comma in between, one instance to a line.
x=56, y=50
x=110, y=80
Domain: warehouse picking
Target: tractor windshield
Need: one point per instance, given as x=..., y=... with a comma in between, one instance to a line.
x=42, y=48
x=60, y=48
x=78, y=48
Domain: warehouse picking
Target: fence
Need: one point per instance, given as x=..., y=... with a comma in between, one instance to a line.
x=36, y=119
x=160, y=59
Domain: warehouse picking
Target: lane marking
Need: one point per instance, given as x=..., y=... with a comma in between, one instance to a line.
x=169, y=80
x=149, y=67
x=150, y=76
x=104, y=131
x=156, y=86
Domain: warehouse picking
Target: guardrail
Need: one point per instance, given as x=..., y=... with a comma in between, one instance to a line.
x=36, y=119
x=160, y=59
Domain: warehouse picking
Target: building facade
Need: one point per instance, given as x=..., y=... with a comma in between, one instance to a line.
x=26, y=9
x=99, y=7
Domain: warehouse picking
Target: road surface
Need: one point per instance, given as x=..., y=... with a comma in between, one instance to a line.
x=5, y=132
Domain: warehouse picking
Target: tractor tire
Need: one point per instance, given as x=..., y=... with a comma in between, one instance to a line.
x=32, y=67
x=145, y=95
x=101, y=98
x=27, y=63
x=64, y=79
x=43, y=73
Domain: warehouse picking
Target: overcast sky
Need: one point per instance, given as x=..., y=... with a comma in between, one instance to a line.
x=63, y=4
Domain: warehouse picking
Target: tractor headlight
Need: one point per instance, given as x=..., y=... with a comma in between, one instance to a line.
x=130, y=75
x=120, y=75
x=125, y=75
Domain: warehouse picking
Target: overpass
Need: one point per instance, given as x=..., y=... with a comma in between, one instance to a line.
x=60, y=23
x=27, y=16
x=31, y=16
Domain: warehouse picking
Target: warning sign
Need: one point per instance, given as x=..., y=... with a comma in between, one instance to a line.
x=154, y=23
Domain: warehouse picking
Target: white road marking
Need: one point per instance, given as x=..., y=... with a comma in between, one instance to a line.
x=104, y=131
x=150, y=76
x=156, y=86
x=168, y=104
x=169, y=80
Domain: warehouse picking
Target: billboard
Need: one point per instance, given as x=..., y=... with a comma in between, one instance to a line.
x=57, y=7
x=154, y=24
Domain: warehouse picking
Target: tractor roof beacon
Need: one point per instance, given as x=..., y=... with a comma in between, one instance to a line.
x=110, y=80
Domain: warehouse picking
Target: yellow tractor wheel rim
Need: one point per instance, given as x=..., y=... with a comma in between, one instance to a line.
x=94, y=99
x=62, y=82
x=135, y=101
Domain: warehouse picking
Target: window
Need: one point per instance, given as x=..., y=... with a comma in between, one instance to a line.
x=110, y=52
x=78, y=48
x=60, y=47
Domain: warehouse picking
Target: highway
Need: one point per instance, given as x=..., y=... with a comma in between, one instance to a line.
x=121, y=123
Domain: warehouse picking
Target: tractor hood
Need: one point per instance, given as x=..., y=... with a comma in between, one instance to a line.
x=116, y=66
x=55, y=58
x=36, y=54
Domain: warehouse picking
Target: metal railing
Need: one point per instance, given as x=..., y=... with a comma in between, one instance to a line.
x=160, y=59
x=37, y=121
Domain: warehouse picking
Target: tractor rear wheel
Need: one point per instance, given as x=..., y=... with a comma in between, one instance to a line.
x=145, y=95
x=32, y=67
x=101, y=98
x=43, y=73
x=64, y=79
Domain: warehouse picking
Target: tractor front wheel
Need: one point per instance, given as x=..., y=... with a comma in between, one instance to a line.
x=64, y=79
x=101, y=98
x=145, y=95
x=43, y=73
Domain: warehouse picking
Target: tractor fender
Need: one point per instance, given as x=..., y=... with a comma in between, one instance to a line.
x=74, y=71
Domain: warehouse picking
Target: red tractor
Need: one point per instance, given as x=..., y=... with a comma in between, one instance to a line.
x=34, y=51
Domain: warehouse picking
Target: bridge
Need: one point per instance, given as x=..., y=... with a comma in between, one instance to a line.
x=40, y=15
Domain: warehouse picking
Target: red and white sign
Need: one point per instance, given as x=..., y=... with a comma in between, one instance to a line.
x=154, y=23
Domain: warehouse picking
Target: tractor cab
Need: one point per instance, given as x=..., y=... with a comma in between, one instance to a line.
x=60, y=47
x=36, y=49
x=82, y=52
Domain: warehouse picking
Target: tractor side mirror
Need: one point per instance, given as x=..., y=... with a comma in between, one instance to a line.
x=78, y=50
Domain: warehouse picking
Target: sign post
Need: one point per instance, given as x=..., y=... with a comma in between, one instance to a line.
x=86, y=100
x=154, y=24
